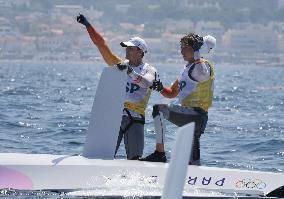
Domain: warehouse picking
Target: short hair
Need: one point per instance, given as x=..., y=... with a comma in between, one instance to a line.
x=189, y=40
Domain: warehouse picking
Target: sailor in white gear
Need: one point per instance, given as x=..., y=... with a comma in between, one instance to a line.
x=194, y=89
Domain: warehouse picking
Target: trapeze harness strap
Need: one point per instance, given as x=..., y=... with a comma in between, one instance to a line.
x=132, y=121
x=191, y=68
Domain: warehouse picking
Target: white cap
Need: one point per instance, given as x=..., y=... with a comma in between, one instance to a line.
x=135, y=41
x=209, y=41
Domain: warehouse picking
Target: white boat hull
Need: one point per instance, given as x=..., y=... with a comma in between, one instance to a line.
x=59, y=172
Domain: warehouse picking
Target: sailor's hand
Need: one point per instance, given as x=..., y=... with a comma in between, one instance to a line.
x=121, y=66
x=82, y=19
x=198, y=42
x=157, y=85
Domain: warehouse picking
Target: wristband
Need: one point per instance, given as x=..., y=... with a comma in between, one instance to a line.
x=166, y=91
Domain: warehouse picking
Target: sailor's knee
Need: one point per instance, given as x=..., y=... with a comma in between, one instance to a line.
x=155, y=110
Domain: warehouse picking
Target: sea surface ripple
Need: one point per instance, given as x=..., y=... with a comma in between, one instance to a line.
x=45, y=108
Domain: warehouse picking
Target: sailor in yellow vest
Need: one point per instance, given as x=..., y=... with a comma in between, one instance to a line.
x=194, y=89
x=141, y=76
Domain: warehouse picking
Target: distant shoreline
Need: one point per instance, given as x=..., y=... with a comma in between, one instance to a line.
x=104, y=64
x=74, y=62
x=47, y=61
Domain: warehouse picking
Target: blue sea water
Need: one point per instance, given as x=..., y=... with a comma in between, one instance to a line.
x=45, y=108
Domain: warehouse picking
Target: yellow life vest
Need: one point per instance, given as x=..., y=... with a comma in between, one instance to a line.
x=139, y=107
x=137, y=97
x=202, y=94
